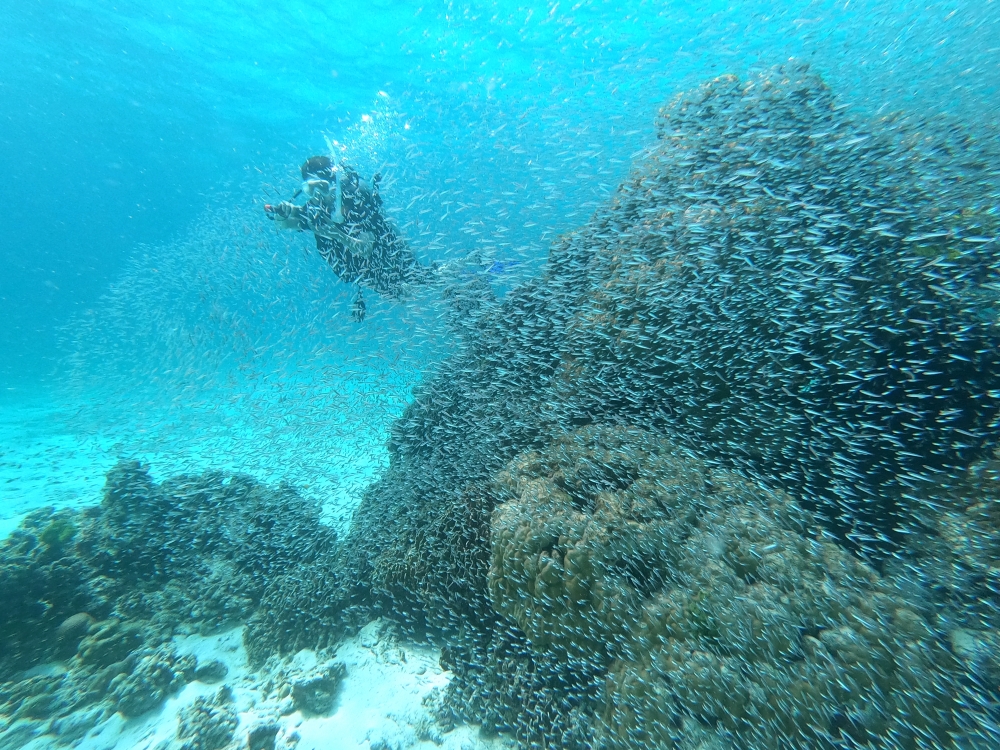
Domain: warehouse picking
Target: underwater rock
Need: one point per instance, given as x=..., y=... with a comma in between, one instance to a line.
x=266, y=561
x=979, y=650
x=212, y=671
x=153, y=676
x=707, y=597
x=262, y=737
x=316, y=695
x=30, y=695
x=951, y=570
x=40, y=706
x=307, y=682
x=146, y=532
x=747, y=291
x=956, y=550
x=209, y=723
x=109, y=641
x=505, y=687
x=572, y=560
x=72, y=630
x=752, y=286
x=144, y=555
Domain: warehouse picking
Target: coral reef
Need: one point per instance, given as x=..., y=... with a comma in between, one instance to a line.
x=99, y=592
x=209, y=723
x=721, y=476
x=154, y=674
x=752, y=285
x=707, y=600
x=44, y=586
x=787, y=292
x=117, y=667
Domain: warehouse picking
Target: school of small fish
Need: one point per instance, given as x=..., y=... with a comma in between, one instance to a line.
x=724, y=473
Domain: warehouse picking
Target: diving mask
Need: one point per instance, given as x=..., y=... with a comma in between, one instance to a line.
x=322, y=188
x=316, y=187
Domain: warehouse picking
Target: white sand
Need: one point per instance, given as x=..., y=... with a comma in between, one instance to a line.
x=379, y=706
x=45, y=461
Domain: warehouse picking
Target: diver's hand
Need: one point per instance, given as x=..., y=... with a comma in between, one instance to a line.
x=281, y=211
x=286, y=215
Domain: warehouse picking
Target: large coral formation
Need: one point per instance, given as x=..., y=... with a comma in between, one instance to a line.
x=102, y=590
x=569, y=564
x=788, y=292
x=707, y=599
x=752, y=285
x=43, y=586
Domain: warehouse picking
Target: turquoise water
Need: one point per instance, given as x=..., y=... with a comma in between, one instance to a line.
x=125, y=123
x=135, y=133
x=148, y=309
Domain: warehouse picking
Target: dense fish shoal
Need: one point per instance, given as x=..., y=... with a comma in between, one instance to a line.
x=790, y=293
x=725, y=474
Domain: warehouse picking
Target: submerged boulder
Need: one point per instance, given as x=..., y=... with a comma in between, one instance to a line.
x=801, y=304
x=708, y=598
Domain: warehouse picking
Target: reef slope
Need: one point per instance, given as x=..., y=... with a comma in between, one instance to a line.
x=802, y=303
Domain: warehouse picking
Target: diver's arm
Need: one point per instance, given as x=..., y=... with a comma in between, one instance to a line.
x=287, y=215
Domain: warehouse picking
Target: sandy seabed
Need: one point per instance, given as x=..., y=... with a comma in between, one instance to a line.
x=387, y=686
x=383, y=701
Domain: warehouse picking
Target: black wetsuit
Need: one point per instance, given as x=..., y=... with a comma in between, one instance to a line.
x=365, y=248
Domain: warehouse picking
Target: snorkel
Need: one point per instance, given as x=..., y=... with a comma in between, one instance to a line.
x=338, y=212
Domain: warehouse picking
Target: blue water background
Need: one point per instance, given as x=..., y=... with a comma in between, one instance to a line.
x=123, y=121
x=143, y=291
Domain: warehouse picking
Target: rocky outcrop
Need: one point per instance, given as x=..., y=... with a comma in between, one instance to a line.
x=98, y=593
x=802, y=303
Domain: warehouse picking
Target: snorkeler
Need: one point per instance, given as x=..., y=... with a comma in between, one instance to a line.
x=352, y=233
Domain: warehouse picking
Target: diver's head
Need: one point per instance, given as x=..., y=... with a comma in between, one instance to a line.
x=317, y=175
x=317, y=168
